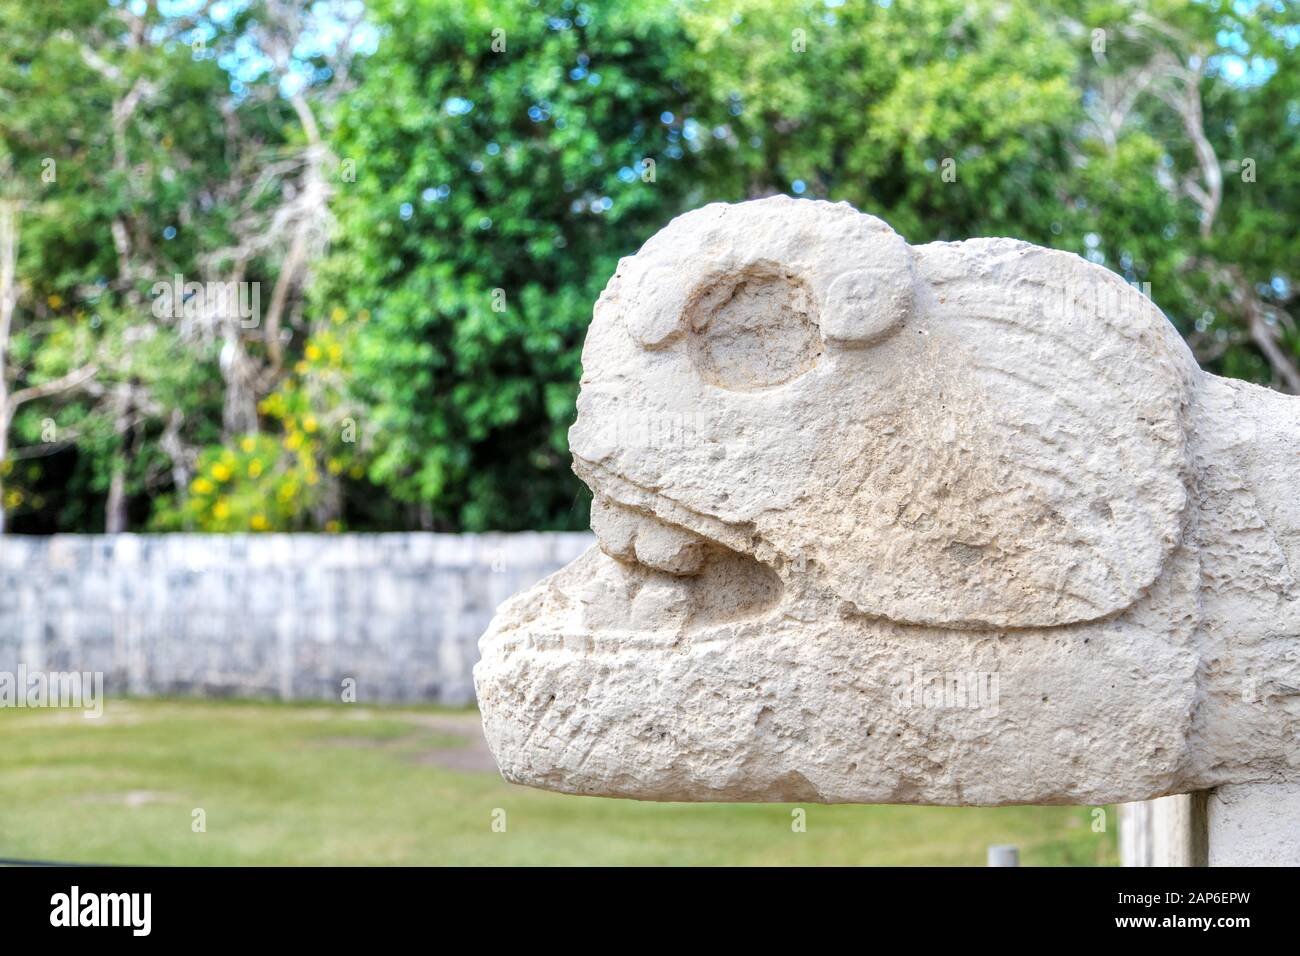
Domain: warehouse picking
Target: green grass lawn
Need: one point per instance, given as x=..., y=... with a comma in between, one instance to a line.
x=343, y=784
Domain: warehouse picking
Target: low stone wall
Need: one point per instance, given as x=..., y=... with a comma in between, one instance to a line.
x=279, y=615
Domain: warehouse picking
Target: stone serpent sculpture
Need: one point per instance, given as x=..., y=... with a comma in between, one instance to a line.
x=958, y=523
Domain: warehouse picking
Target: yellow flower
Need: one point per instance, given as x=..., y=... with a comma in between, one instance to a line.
x=335, y=466
x=248, y=444
x=13, y=499
x=259, y=523
x=301, y=368
x=312, y=478
x=356, y=471
x=55, y=301
x=294, y=441
x=6, y=467
x=202, y=486
x=309, y=423
x=221, y=510
x=312, y=352
x=336, y=353
x=338, y=315
x=254, y=468
x=221, y=471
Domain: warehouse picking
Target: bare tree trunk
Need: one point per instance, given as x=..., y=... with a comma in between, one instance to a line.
x=239, y=412
x=4, y=451
x=127, y=402
x=8, y=299
x=294, y=261
x=115, y=507
x=9, y=401
x=173, y=445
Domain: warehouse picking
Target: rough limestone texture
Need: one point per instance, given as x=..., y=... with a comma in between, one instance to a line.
x=959, y=523
x=1254, y=825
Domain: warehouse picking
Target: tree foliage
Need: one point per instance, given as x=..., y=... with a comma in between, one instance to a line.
x=435, y=219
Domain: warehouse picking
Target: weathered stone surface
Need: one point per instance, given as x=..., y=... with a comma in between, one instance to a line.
x=961, y=523
x=1253, y=825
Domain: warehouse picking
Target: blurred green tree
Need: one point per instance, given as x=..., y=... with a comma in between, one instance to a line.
x=506, y=157
x=1102, y=128
x=482, y=179
x=146, y=142
x=1182, y=171
x=96, y=107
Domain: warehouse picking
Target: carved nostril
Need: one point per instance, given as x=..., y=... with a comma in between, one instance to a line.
x=753, y=330
x=865, y=306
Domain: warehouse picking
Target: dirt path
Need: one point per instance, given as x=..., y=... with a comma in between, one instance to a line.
x=469, y=757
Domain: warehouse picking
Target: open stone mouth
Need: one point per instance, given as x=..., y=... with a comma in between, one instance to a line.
x=921, y=528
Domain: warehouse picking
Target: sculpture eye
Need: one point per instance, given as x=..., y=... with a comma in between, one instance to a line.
x=753, y=330
x=866, y=305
